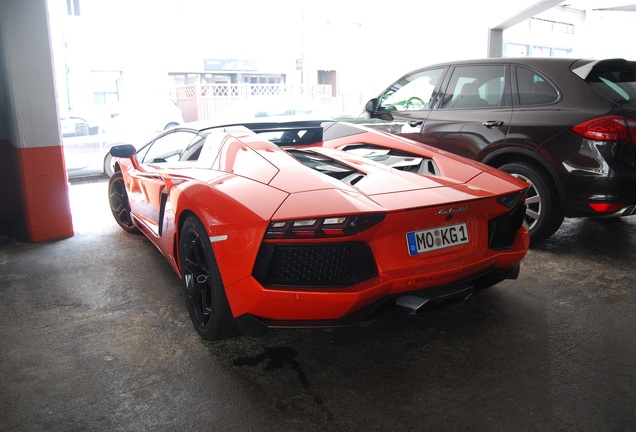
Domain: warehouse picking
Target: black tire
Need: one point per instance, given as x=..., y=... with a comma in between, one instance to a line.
x=543, y=215
x=202, y=285
x=119, y=204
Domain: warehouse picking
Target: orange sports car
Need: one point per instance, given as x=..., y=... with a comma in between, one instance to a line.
x=315, y=223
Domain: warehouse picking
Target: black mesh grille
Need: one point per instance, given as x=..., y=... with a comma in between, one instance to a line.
x=503, y=230
x=324, y=265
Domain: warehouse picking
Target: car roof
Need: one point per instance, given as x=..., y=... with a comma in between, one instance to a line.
x=536, y=62
x=521, y=60
x=547, y=64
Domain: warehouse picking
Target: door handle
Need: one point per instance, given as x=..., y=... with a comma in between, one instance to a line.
x=491, y=124
x=415, y=123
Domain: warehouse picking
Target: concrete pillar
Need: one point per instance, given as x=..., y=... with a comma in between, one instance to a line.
x=495, y=43
x=30, y=140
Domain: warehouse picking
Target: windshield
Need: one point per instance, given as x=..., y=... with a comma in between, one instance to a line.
x=615, y=79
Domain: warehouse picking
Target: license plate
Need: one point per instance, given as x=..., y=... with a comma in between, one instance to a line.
x=436, y=238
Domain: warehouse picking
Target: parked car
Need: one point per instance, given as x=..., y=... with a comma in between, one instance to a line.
x=566, y=126
x=137, y=122
x=315, y=224
x=87, y=142
x=85, y=146
x=143, y=119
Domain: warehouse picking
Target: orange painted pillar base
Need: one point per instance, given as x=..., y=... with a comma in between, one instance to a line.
x=45, y=193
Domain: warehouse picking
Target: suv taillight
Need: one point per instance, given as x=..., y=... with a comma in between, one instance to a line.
x=608, y=128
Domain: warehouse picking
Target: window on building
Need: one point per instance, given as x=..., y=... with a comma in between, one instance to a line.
x=540, y=51
x=106, y=87
x=73, y=7
x=516, y=50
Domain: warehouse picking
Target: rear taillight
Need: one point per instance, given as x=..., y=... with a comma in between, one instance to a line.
x=337, y=226
x=605, y=207
x=608, y=128
x=511, y=200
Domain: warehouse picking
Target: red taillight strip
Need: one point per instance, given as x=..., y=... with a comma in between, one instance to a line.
x=605, y=207
x=338, y=226
x=608, y=128
x=511, y=200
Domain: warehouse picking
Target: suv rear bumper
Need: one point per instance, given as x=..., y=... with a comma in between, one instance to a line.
x=599, y=173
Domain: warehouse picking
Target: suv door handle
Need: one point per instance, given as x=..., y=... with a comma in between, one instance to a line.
x=491, y=124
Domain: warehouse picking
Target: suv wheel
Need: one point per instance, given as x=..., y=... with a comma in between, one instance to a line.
x=543, y=216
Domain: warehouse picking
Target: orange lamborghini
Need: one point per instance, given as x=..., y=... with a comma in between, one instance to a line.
x=315, y=223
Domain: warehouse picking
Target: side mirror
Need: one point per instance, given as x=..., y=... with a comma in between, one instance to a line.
x=123, y=151
x=372, y=105
x=372, y=108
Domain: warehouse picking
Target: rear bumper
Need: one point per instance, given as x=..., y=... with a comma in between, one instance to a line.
x=604, y=174
x=583, y=209
x=412, y=301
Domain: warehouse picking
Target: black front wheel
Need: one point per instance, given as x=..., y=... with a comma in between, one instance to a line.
x=119, y=204
x=543, y=214
x=202, y=285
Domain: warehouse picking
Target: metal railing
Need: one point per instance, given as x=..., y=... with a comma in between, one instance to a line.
x=201, y=101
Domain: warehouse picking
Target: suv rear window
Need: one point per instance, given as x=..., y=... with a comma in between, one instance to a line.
x=533, y=88
x=615, y=79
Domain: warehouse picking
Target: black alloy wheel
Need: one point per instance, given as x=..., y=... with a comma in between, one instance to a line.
x=119, y=204
x=202, y=285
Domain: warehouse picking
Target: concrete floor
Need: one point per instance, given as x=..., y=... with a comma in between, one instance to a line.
x=94, y=335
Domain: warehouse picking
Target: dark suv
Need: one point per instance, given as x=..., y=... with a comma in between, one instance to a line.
x=566, y=126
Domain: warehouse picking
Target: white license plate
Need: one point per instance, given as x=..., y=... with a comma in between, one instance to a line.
x=436, y=238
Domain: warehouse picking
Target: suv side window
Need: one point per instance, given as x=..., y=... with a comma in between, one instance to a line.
x=411, y=93
x=475, y=87
x=533, y=88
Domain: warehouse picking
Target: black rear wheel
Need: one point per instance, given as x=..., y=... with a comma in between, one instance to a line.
x=202, y=285
x=119, y=204
x=543, y=215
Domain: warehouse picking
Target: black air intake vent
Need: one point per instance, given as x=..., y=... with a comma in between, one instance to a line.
x=400, y=160
x=321, y=265
x=502, y=231
x=327, y=165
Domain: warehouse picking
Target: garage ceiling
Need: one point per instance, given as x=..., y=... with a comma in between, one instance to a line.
x=523, y=10
x=601, y=5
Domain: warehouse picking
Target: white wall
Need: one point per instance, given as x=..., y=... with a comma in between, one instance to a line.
x=369, y=44
x=30, y=91
x=607, y=34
